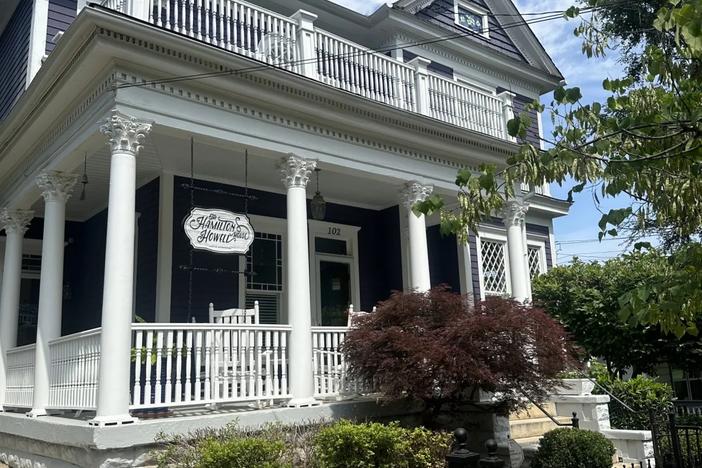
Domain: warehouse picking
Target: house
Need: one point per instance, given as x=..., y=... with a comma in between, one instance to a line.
x=157, y=156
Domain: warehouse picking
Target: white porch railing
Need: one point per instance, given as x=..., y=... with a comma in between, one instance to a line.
x=74, y=372
x=200, y=364
x=20, y=377
x=272, y=38
x=329, y=364
x=354, y=68
x=233, y=25
x=460, y=105
x=176, y=365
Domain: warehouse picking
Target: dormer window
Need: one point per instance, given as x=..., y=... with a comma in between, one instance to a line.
x=471, y=17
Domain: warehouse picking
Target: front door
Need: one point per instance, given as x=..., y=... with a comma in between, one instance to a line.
x=334, y=291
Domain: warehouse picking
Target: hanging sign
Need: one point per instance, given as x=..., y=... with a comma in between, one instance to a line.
x=219, y=231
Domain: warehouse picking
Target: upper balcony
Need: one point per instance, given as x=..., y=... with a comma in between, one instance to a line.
x=295, y=44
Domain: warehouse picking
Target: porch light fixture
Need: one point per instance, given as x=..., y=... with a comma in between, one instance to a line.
x=318, y=205
x=84, y=179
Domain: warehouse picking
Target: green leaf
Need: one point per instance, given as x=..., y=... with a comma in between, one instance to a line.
x=513, y=126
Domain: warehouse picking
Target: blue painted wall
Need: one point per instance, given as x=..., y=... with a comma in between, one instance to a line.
x=61, y=15
x=441, y=12
x=379, y=249
x=14, y=49
x=84, y=262
x=443, y=259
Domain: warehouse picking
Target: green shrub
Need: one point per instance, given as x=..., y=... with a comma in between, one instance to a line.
x=642, y=394
x=573, y=448
x=373, y=445
x=241, y=453
x=186, y=451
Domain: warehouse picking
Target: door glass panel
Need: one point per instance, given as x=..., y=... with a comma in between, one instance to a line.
x=330, y=246
x=335, y=292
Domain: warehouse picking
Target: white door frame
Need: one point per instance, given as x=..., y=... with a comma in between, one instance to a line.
x=334, y=231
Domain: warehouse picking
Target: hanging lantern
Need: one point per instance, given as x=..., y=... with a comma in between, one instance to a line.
x=318, y=205
x=84, y=179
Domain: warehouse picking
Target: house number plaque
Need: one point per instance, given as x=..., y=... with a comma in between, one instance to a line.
x=219, y=231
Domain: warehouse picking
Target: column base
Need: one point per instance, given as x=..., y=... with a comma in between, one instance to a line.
x=37, y=413
x=303, y=402
x=109, y=421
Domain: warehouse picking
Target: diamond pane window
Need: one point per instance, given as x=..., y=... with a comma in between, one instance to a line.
x=265, y=261
x=469, y=20
x=494, y=273
x=534, y=262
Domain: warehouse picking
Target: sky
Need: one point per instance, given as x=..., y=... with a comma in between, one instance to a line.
x=576, y=234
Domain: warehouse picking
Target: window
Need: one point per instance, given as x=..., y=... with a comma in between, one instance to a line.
x=471, y=17
x=494, y=272
x=534, y=257
x=264, y=284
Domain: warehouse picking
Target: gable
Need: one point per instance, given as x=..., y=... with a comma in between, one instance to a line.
x=518, y=43
x=441, y=13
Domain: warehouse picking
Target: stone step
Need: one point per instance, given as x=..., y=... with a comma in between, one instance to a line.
x=533, y=412
x=535, y=427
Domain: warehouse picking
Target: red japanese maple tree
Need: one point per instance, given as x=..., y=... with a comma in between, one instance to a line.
x=438, y=348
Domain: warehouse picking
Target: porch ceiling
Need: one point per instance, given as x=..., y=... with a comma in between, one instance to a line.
x=219, y=162
x=98, y=171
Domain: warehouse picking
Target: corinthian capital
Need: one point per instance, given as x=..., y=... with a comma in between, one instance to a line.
x=125, y=133
x=514, y=213
x=413, y=192
x=295, y=171
x=56, y=186
x=15, y=221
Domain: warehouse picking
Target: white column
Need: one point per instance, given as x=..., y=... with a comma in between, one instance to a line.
x=295, y=172
x=305, y=42
x=507, y=99
x=165, y=249
x=37, y=38
x=56, y=189
x=411, y=194
x=421, y=87
x=514, y=215
x=15, y=223
x=125, y=137
x=138, y=9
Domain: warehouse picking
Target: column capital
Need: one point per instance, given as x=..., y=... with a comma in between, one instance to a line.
x=514, y=213
x=413, y=192
x=124, y=133
x=295, y=171
x=15, y=221
x=56, y=186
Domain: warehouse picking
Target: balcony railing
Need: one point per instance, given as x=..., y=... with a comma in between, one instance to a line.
x=295, y=44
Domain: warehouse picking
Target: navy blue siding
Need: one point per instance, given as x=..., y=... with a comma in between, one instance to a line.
x=540, y=230
x=441, y=12
x=379, y=250
x=474, y=270
x=518, y=105
x=14, y=50
x=147, y=205
x=84, y=263
x=438, y=68
x=61, y=15
x=443, y=259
